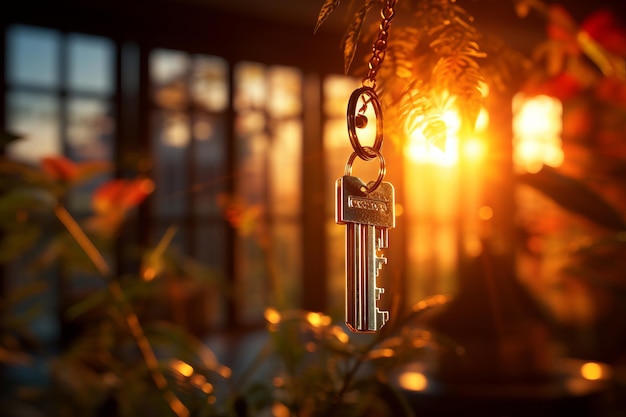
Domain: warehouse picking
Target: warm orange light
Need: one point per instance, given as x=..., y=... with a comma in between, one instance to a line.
x=340, y=334
x=537, y=126
x=485, y=213
x=592, y=371
x=182, y=368
x=413, y=381
x=280, y=410
x=474, y=149
x=272, y=315
x=420, y=149
x=381, y=353
x=317, y=319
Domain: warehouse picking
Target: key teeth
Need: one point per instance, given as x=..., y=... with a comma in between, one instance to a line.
x=378, y=292
x=383, y=317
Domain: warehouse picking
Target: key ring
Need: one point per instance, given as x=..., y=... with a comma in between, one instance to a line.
x=382, y=168
x=366, y=153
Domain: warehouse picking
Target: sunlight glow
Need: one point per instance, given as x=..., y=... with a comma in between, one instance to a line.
x=413, y=381
x=537, y=126
x=317, y=319
x=272, y=316
x=280, y=410
x=420, y=149
x=592, y=371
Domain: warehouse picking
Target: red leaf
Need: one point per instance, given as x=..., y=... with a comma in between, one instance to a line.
x=121, y=194
x=59, y=168
x=561, y=25
x=562, y=86
x=604, y=28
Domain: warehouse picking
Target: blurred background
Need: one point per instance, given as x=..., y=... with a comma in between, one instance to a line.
x=229, y=116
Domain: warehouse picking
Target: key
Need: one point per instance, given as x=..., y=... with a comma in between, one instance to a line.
x=368, y=217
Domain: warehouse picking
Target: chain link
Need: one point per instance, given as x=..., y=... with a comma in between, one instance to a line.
x=379, y=49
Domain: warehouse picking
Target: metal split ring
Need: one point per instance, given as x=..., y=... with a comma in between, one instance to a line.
x=365, y=152
x=382, y=168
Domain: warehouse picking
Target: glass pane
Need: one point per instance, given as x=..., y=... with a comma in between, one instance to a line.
x=251, y=285
x=171, y=136
x=284, y=92
x=286, y=264
x=90, y=65
x=210, y=241
x=250, y=86
x=284, y=164
x=33, y=56
x=337, y=90
x=209, y=163
x=90, y=129
x=36, y=117
x=210, y=83
x=252, y=166
x=89, y=138
x=169, y=72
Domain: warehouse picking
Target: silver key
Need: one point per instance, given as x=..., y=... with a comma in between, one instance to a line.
x=368, y=217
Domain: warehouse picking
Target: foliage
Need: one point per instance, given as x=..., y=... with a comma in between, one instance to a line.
x=120, y=356
x=582, y=64
x=431, y=64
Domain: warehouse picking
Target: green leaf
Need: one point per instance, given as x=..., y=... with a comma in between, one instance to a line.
x=575, y=196
x=327, y=8
x=16, y=243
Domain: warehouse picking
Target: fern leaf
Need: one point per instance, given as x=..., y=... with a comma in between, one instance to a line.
x=327, y=8
x=353, y=34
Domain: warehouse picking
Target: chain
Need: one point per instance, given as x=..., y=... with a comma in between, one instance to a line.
x=367, y=94
x=379, y=49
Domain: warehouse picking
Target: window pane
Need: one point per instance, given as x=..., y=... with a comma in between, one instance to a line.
x=250, y=86
x=209, y=163
x=285, y=162
x=90, y=66
x=251, y=183
x=337, y=90
x=169, y=73
x=36, y=117
x=89, y=138
x=33, y=56
x=285, y=92
x=251, y=285
x=90, y=129
x=286, y=264
x=170, y=163
x=210, y=83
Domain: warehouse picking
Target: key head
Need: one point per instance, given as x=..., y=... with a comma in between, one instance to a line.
x=354, y=204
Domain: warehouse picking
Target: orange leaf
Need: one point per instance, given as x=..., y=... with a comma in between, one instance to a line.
x=59, y=168
x=121, y=194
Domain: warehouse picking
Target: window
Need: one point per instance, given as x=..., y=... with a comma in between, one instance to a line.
x=59, y=97
x=202, y=174
x=60, y=94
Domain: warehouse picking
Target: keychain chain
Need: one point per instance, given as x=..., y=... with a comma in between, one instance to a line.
x=357, y=119
x=379, y=49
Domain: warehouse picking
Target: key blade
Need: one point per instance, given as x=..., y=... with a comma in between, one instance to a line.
x=363, y=263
